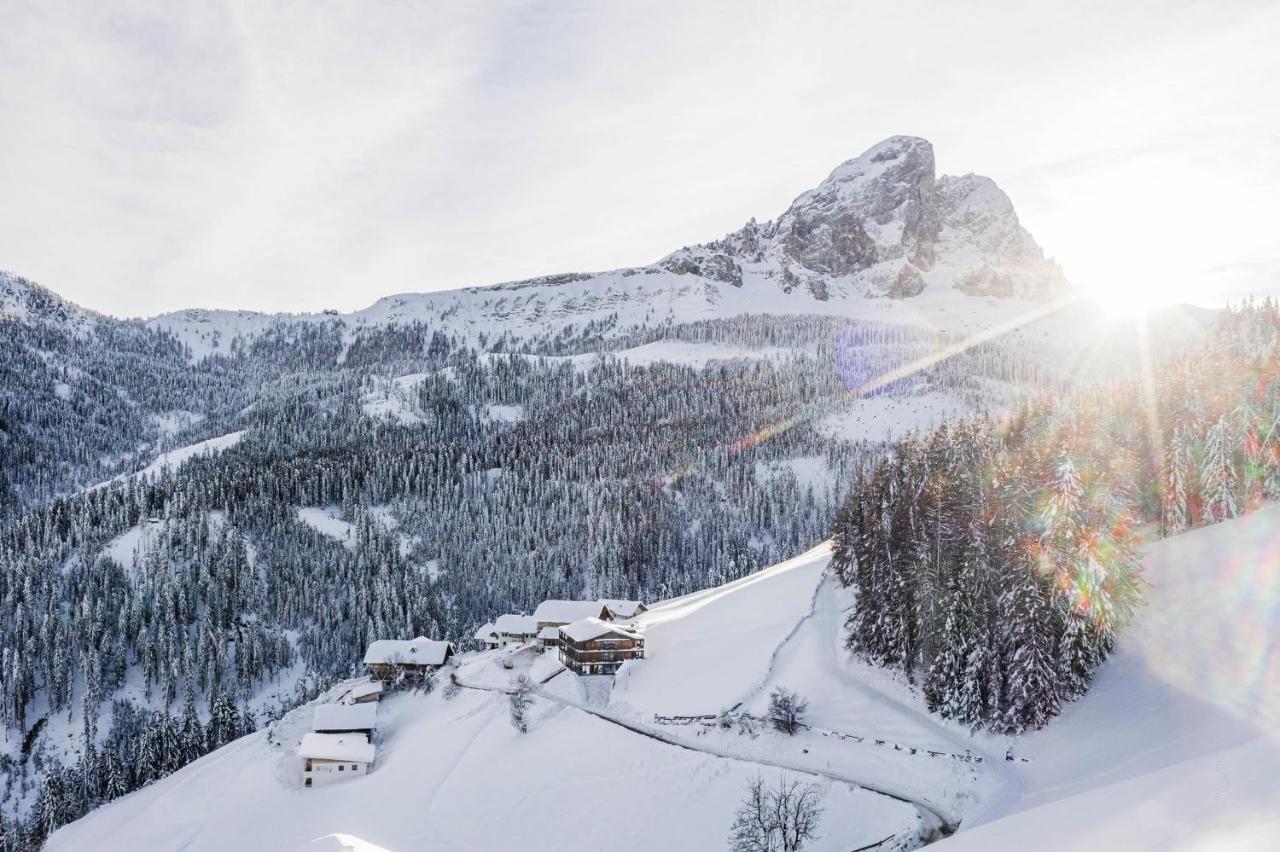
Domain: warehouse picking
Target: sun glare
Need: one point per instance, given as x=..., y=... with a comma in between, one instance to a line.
x=1132, y=299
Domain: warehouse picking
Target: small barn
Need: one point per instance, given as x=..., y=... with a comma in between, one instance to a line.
x=365, y=693
x=487, y=635
x=345, y=719
x=387, y=658
x=327, y=758
x=593, y=646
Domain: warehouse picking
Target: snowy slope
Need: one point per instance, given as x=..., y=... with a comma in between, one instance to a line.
x=1176, y=746
x=1169, y=750
x=455, y=775
x=171, y=460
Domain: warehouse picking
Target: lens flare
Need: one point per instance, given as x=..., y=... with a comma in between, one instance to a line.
x=870, y=387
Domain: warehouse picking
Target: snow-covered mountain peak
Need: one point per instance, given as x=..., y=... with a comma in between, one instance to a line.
x=898, y=159
x=884, y=223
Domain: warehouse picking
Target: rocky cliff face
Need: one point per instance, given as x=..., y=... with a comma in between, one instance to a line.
x=886, y=221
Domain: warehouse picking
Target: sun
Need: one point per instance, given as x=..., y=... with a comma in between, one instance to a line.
x=1121, y=302
x=1133, y=297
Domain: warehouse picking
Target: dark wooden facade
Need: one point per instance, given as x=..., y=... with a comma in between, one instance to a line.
x=602, y=655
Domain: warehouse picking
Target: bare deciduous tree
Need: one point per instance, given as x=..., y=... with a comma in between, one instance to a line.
x=780, y=819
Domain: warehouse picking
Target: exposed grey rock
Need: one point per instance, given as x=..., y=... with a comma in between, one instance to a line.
x=717, y=266
x=877, y=212
x=908, y=283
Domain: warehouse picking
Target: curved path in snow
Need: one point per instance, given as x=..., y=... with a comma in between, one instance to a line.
x=937, y=823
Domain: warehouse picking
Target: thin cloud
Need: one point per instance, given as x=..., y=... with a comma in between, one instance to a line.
x=298, y=156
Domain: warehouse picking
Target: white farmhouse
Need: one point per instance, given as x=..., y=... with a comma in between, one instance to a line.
x=515, y=630
x=334, y=757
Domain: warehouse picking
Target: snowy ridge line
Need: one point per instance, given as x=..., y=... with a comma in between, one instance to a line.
x=712, y=721
x=942, y=823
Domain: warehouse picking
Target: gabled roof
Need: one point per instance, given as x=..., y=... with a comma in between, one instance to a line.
x=516, y=625
x=373, y=687
x=549, y=632
x=563, y=612
x=344, y=717
x=624, y=609
x=415, y=652
x=351, y=747
x=586, y=629
x=486, y=632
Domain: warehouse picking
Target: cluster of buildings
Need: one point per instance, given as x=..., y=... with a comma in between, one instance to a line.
x=591, y=638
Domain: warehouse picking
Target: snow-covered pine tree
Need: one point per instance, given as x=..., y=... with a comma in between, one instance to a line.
x=1218, y=477
x=1177, y=514
x=1030, y=688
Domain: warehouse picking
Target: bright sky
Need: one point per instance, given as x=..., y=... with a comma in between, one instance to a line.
x=300, y=156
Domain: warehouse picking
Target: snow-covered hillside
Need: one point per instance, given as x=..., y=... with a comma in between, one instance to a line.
x=1169, y=750
x=882, y=238
x=594, y=772
x=1177, y=746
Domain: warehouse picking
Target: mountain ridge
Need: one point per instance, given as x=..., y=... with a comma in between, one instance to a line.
x=882, y=237
x=881, y=225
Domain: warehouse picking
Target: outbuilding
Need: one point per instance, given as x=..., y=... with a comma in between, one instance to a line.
x=365, y=693
x=345, y=719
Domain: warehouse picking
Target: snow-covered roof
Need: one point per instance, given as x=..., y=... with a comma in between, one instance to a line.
x=563, y=612
x=417, y=652
x=373, y=687
x=516, y=625
x=586, y=629
x=624, y=609
x=344, y=717
x=351, y=747
x=549, y=632
x=486, y=632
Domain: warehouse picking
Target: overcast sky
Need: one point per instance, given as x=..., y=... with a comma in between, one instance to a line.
x=299, y=156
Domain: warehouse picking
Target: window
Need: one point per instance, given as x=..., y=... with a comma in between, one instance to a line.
x=308, y=782
x=341, y=767
x=353, y=767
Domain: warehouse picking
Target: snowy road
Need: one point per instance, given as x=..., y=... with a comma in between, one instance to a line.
x=935, y=821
